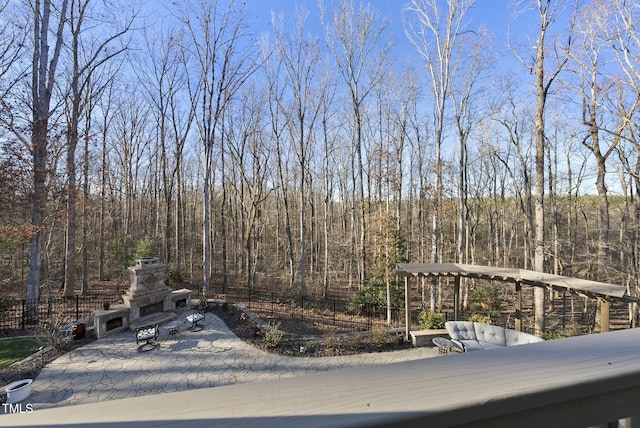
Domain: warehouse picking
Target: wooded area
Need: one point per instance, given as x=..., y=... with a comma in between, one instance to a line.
x=314, y=158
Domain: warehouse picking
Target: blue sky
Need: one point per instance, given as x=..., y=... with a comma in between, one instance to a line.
x=494, y=14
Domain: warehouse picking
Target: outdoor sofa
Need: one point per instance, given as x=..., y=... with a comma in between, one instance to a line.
x=475, y=336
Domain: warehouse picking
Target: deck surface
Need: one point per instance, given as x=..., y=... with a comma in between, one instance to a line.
x=511, y=383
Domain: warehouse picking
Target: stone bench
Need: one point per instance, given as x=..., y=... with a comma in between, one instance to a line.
x=425, y=337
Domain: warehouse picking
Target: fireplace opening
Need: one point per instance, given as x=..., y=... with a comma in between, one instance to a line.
x=151, y=309
x=114, y=323
x=182, y=303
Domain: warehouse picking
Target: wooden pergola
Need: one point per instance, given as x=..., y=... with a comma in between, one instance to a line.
x=597, y=290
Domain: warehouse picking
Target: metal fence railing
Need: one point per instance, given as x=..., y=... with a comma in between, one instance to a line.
x=26, y=314
x=23, y=314
x=338, y=314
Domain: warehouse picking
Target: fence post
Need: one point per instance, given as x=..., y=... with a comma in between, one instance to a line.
x=302, y=306
x=24, y=313
x=272, y=303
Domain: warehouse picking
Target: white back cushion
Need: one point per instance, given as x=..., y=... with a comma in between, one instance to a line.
x=490, y=334
x=461, y=330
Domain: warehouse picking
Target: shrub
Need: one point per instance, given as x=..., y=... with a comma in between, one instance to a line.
x=332, y=342
x=273, y=335
x=484, y=298
x=145, y=247
x=480, y=318
x=380, y=337
x=548, y=335
x=431, y=320
x=373, y=296
x=55, y=333
x=172, y=276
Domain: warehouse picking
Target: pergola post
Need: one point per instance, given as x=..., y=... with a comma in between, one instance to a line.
x=518, y=316
x=456, y=297
x=407, y=311
x=604, y=315
x=632, y=421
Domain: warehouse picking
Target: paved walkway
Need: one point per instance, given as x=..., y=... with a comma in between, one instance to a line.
x=111, y=368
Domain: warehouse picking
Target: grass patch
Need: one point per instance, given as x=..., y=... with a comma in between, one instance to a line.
x=12, y=350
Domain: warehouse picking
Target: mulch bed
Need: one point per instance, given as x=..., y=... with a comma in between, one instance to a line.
x=300, y=339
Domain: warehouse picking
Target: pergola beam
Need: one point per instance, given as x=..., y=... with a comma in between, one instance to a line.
x=596, y=290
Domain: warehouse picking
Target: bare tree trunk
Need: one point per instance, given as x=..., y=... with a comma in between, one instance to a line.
x=547, y=12
x=42, y=83
x=86, y=197
x=538, y=264
x=80, y=91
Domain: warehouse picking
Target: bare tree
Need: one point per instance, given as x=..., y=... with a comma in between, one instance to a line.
x=548, y=13
x=89, y=52
x=477, y=54
x=12, y=48
x=622, y=33
x=277, y=121
x=224, y=62
x=328, y=177
x=300, y=57
x=516, y=119
x=130, y=141
x=248, y=174
x=356, y=39
x=165, y=79
x=434, y=33
x=590, y=58
x=108, y=106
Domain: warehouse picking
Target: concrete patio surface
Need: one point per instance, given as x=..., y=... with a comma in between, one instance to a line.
x=113, y=369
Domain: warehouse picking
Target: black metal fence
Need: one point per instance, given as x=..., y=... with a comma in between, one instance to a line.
x=328, y=312
x=20, y=314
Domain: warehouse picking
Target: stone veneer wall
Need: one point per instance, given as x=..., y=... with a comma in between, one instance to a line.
x=146, y=287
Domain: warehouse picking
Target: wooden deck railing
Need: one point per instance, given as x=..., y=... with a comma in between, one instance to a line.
x=580, y=382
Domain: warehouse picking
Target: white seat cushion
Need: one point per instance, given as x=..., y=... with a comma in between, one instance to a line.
x=471, y=345
x=515, y=337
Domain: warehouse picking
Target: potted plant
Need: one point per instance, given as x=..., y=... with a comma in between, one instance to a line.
x=79, y=330
x=18, y=391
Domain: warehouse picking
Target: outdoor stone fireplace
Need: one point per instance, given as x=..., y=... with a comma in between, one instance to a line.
x=148, y=300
